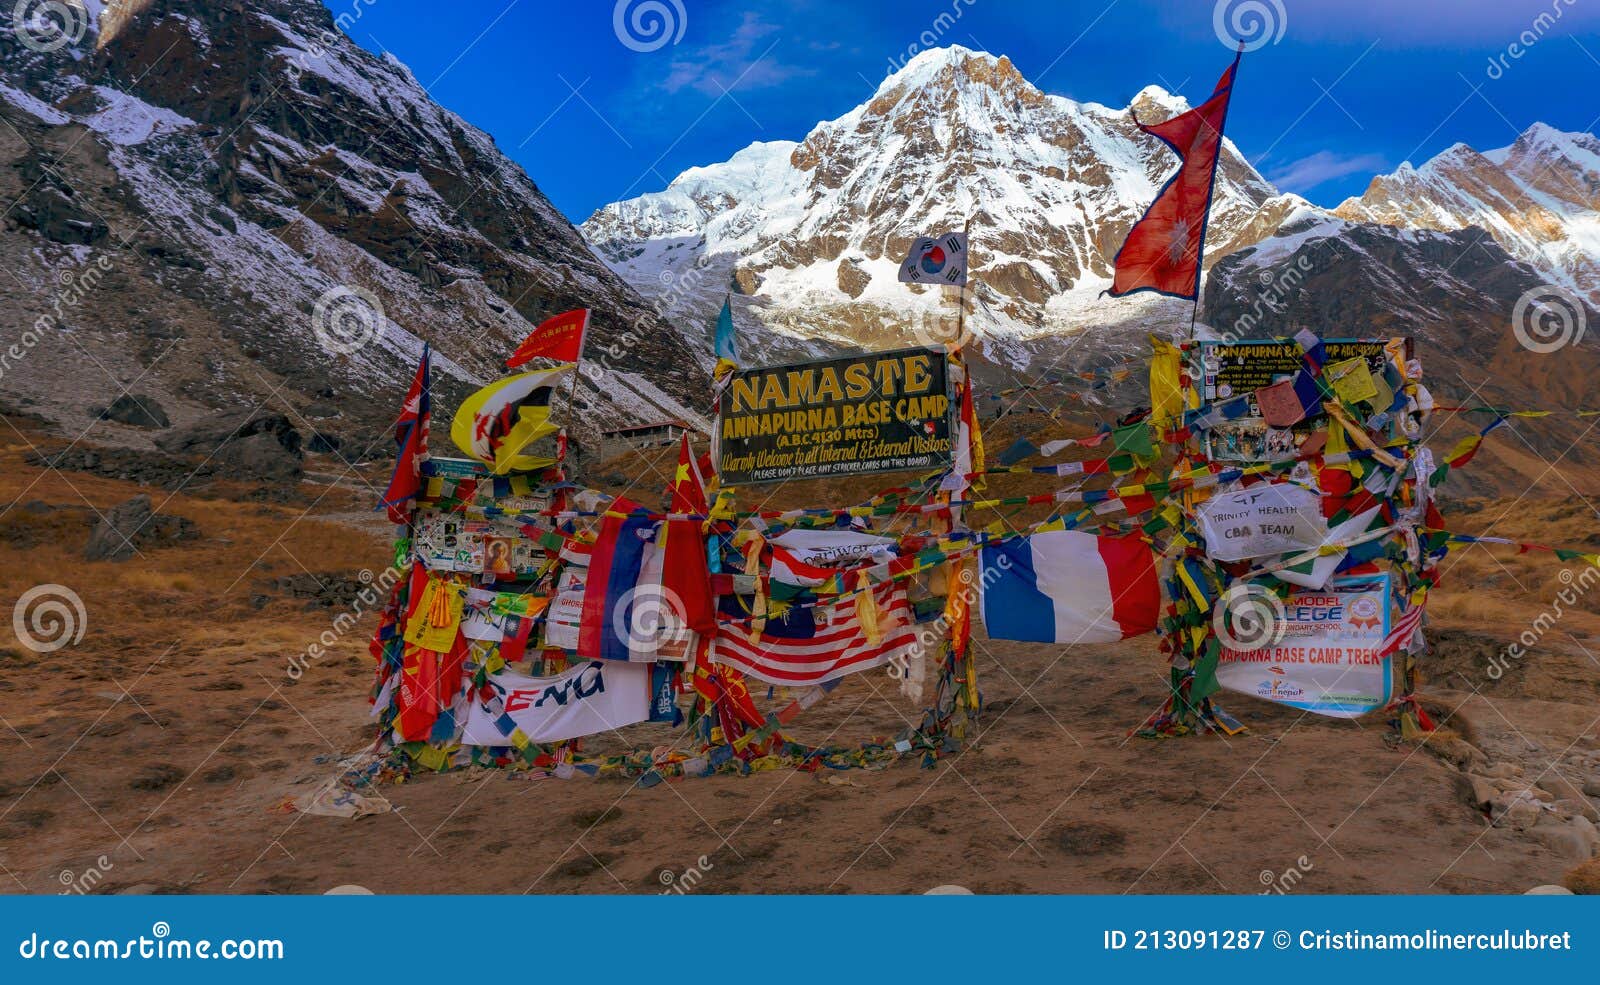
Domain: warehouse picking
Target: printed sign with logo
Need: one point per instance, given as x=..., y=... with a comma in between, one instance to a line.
x=1262, y=520
x=835, y=548
x=883, y=412
x=593, y=697
x=565, y=614
x=1327, y=658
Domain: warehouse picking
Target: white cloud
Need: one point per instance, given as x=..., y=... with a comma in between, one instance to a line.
x=1312, y=170
x=746, y=60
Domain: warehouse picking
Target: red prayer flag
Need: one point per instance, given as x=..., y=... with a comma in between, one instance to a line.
x=685, y=576
x=1165, y=247
x=559, y=337
x=411, y=435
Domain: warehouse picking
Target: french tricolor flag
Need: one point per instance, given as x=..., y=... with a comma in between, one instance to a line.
x=1067, y=586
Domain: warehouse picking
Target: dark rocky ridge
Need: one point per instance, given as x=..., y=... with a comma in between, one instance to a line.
x=219, y=168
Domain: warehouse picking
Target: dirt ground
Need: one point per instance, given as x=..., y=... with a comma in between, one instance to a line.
x=157, y=753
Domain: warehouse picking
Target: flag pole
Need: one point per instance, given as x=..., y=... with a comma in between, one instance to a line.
x=1222, y=129
x=577, y=369
x=961, y=297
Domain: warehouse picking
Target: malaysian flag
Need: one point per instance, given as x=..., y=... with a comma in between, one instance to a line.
x=816, y=644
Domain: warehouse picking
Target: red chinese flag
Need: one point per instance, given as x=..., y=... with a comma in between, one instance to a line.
x=1165, y=247
x=686, y=576
x=559, y=337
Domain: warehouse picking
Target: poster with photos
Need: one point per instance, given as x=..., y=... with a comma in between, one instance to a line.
x=1230, y=369
x=443, y=542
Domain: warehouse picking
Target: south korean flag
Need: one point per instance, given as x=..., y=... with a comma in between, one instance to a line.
x=936, y=260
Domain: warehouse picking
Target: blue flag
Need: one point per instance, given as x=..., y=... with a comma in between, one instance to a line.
x=725, y=344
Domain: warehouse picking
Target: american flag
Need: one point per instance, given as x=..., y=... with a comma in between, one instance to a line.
x=821, y=643
x=1403, y=629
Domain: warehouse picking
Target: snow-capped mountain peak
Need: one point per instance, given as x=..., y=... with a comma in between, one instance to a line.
x=1539, y=197
x=1047, y=187
x=1153, y=104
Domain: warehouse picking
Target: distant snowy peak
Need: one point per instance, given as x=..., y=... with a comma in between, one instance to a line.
x=1539, y=197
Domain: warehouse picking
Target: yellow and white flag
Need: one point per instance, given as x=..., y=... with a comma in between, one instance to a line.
x=496, y=424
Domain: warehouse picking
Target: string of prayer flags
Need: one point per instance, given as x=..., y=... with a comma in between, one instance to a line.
x=1463, y=452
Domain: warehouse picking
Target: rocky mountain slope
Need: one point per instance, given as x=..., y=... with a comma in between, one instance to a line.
x=229, y=205
x=814, y=231
x=1539, y=198
x=810, y=233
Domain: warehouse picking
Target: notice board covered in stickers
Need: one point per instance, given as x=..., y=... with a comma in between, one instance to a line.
x=856, y=415
x=1230, y=369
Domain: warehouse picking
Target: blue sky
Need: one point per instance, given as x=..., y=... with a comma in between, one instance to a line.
x=1338, y=90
